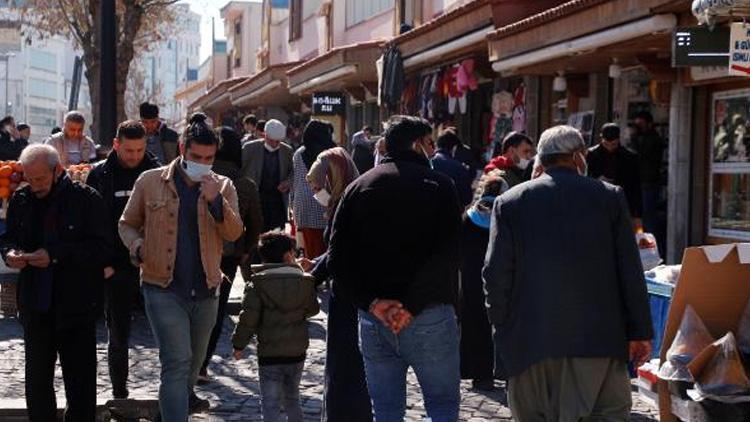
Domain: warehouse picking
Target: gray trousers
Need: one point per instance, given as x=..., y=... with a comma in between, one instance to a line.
x=279, y=387
x=572, y=390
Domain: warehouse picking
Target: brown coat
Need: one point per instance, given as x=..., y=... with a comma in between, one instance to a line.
x=149, y=222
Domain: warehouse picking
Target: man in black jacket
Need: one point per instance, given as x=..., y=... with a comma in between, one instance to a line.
x=162, y=141
x=114, y=178
x=394, y=254
x=611, y=162
x=565, y=290
x=58, y=237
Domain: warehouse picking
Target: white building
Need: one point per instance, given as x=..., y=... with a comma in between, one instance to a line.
x=172, y=64
x=38, y=77
x=242, y=29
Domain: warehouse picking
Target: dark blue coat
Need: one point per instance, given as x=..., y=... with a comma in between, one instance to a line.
x=449, y=166
x=563, y=274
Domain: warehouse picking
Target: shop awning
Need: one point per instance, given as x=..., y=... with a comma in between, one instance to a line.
x=337, y=69
x=267, y=88
x=462, y=32
x=577, y=27
x=217, y=98
x=586, y=44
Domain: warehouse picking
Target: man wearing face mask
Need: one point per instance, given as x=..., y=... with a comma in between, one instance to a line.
x=569, y=221
x=611, y=162
x=114, y=178
x=175, y=225
x=268, y=162
x=517, y=155
x=405, y=217
x=59, y=238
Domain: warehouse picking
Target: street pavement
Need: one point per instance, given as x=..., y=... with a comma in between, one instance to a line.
x=234, y=394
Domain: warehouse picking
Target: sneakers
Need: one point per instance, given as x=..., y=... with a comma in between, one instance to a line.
x=198, y=405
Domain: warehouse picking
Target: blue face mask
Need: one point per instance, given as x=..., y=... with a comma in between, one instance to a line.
x=481, y=218
x=195, y=171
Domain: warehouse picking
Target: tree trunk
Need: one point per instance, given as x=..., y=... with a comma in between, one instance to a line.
x=92, y=78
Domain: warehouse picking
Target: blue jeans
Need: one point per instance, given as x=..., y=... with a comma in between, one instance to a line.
x=429, y=345
x=182, y=329
x=279, y=385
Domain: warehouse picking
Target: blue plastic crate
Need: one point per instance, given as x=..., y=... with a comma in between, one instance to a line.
x=660, y=297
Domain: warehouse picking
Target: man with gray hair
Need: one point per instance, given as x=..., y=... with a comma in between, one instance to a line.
x=58, y=237
x=571, y=310
x=73, y=146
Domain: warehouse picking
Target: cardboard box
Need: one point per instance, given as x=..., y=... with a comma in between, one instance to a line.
x=715, y=281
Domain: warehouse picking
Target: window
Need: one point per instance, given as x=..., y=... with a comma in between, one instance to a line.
x=43, y=60
x=238, y=27
x=295, y=19
x=358, y=11
x=42, y=89
x=729, y=213
x=41, y=116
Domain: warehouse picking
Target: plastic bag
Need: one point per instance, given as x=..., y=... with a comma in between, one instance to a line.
x=724, y=375
x=691, y=338
x=743, y=332
x=649, y=250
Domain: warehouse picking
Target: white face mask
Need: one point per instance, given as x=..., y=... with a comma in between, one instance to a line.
x=269, y=148
x=195, y=171
x=323, y=197
x=523, y=164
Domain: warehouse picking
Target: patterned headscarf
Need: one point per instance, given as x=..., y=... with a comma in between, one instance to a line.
x=334, y=170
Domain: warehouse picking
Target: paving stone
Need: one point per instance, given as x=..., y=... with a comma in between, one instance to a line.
x=235, y=394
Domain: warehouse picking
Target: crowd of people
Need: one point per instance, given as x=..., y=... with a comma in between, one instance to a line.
x=529, y=273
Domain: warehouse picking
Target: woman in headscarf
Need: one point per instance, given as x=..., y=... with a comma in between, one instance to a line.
x=477, y=348
x=227, y=163
x=345, y=396
x=309, y=215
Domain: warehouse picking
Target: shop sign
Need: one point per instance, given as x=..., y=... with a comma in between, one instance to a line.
x=700, y=46
x=328, y=103
x=739, y=50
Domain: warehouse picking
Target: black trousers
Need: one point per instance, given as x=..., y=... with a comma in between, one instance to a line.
x=229, y=268
x=76, y=346
x=121, y=291
x=345, y=394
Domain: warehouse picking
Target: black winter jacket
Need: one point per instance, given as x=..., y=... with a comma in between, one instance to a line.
x=396, y=235
x=101, y=178
x=79, y=253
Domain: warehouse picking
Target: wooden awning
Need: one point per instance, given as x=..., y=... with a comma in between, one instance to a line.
x=462, y=31
x=267, y=88
x=585, y=34
x=217, y=98
x=339, y=69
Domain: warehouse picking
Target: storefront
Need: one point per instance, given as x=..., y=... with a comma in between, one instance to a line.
x=449, y=79
x=606, y=61
x=266, y=94
x=346, y=73
x=217, y=105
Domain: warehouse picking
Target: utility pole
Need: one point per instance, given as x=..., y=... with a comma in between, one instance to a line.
x=107, y=112
x=6, y=58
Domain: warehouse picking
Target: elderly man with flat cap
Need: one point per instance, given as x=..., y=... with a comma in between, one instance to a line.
x=268, y=162
x=565, y=290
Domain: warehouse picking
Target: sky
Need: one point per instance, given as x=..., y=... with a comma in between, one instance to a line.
x=208, y=9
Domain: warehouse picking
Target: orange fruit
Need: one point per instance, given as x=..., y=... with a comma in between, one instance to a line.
x=4, y=192
x=4, y=182
x=6, y=171
x=17, y=167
